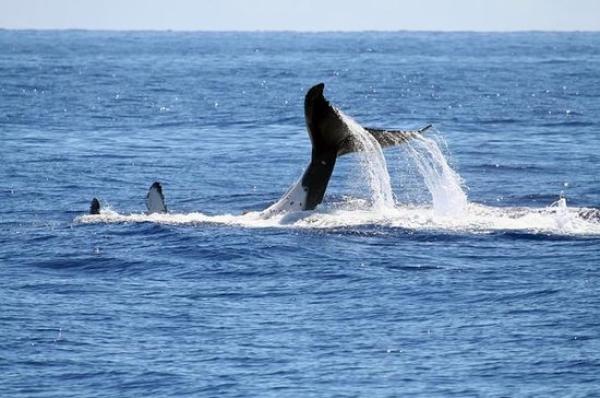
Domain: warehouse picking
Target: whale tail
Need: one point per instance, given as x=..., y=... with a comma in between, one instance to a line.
x=386, y=137
x=155, y=200
x=331, y=137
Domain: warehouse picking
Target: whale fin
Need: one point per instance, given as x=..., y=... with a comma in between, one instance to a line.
x=155, y=200
x=331, y=137
x=95, y=206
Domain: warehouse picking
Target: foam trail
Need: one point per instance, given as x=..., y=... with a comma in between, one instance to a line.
x=557, y=219
x=443, y=183
x=451, y=210
x=373, y=165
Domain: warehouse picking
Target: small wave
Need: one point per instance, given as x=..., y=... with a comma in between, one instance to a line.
x=567, y=123
x=499, y=121
x=508, y=167
x=89, y=263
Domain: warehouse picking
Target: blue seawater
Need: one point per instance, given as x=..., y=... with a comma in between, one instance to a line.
x=224, y=309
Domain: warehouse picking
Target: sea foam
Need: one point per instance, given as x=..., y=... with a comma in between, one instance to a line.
x=449, y=210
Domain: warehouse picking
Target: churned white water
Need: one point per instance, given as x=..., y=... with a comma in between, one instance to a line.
x=449, y=211
x=477, y=219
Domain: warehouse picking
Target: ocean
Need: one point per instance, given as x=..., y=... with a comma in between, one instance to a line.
x=461, y=264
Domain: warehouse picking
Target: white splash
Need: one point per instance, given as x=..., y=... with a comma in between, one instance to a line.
x=373, y=165
x=443, y=183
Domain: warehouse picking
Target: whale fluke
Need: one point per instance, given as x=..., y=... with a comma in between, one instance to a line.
x=95, y=206
x=331, y=137
x=155, y=200
x=387, y=137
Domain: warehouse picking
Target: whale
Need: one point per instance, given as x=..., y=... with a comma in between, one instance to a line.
x=331, y=137
x=155, y=201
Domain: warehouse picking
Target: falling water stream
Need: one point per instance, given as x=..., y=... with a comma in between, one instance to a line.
x=443, y=183
x=373, y=166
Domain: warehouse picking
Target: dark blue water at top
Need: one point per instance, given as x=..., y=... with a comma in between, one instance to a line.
x=203, y=309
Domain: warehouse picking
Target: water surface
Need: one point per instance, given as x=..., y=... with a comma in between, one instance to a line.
x=342, y=301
